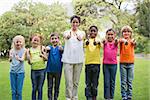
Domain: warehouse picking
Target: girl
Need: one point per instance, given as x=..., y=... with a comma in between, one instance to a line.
x=17, y=72
x=110, y=46
x=73, y=58
x=92, y=64
x=127, y=44
x=54, y=66
x=36, y=58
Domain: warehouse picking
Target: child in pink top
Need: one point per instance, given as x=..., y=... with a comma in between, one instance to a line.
x=110, y=46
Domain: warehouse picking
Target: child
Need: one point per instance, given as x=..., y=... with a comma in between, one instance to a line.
x=73, y=57
x=16, y=57
x=127, y=44
x=36, y=58
x=92, y=64
x=54, y=66
x=110, y=46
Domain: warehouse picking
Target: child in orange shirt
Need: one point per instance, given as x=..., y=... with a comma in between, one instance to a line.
x=127, y=44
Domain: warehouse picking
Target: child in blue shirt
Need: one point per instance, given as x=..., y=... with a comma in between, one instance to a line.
x=54, y=66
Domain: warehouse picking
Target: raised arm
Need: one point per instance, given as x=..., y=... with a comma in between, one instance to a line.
x=43, y=52
x=28, y=55
x=10, y=55
x=23, y=56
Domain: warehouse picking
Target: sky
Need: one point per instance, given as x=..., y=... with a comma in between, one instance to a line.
x=6, y=5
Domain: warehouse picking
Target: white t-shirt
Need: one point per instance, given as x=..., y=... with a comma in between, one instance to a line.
x=73, y=49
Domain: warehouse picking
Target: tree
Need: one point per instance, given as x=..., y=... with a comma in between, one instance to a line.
x=143, y=26
x=27, y=18
x=143, y=18
x=109, y=13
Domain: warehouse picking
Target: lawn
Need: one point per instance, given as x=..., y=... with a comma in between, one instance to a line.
x=141, y=83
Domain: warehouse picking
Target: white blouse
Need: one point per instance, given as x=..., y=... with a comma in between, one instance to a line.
x=73, y=49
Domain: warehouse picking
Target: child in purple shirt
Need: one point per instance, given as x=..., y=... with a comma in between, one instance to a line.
x=110, y=46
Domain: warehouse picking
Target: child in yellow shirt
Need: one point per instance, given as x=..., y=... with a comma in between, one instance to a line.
x=92, y=64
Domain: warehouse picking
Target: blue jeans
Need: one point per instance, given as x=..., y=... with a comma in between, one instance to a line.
x=92, y=72
x=126, y=74
x=16, y=80
x=53, y=79
x=109, y=72
x=37, y=78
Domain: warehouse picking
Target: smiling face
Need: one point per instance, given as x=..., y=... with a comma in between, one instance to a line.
x=35, y=41
x=93, y=32
x=75, y=23
x=18, y=44
x=110, y=36
x=126, y=33
x=54, y=40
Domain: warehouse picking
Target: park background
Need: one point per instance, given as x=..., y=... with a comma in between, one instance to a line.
x=27, y=17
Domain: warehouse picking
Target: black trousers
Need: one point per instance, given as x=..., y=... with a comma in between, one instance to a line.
x=53, y=80
x=92, y=72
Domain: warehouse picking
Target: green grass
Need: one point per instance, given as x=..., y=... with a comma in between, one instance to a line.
x=141, y=85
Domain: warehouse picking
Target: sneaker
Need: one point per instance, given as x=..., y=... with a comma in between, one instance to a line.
x=129, y=98
x=124, y=98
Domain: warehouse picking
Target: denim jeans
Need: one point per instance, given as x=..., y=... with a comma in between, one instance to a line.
x=37, y=78
x=109, y=72
x=16, y=81
x=53, y=78
x=126, y=74
x=92, y=72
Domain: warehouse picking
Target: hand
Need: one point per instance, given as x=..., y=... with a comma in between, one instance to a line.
x=69, y=36
x=116, y=41
x=79, y=38
x=28, y=53
x=10, y=57
x=98, y=42
x=87, y=42
x=124, y=41
x=133, y=41
x=41, y=55
x=17, y=57
x=104, y=41
x=29, y=62
x=60, y=48
x=47, y=49
x=94, y=43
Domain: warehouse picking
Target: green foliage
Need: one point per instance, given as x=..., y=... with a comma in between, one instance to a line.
x=143, y=10
x=143, y=44
x=88, y=12
x=104, y=14
x=27, y=18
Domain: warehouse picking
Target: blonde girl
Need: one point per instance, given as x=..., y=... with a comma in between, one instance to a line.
x=16, y=57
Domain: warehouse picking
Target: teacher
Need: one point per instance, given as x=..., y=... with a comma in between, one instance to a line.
x=73, y=57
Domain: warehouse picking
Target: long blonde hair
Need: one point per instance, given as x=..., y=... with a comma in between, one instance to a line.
x=18, y=37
